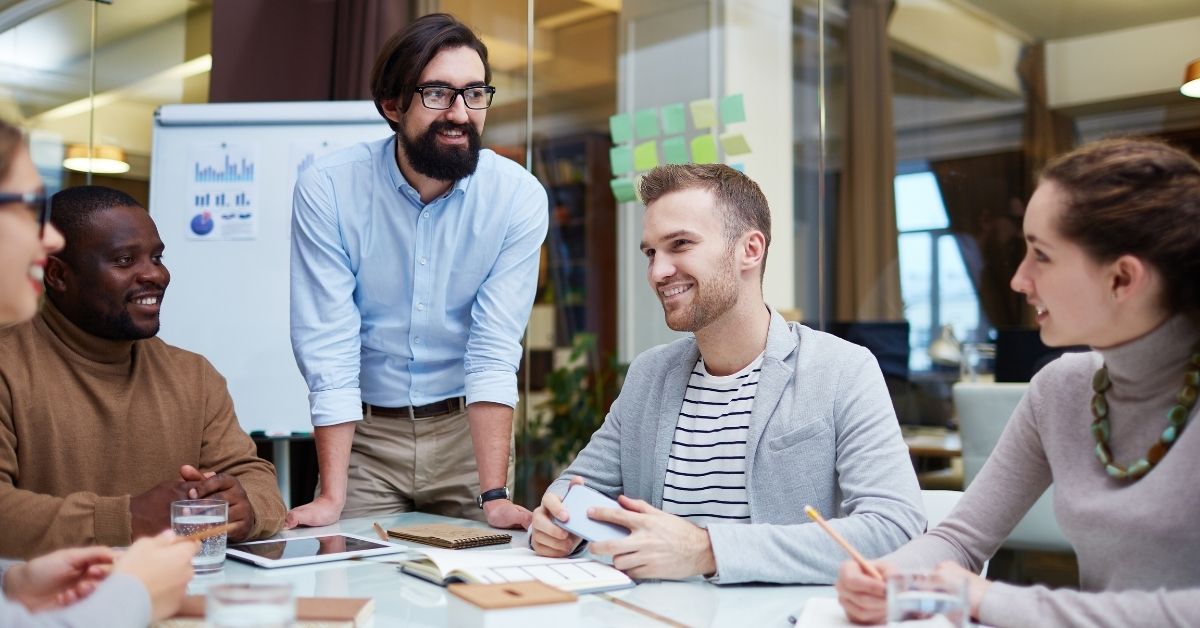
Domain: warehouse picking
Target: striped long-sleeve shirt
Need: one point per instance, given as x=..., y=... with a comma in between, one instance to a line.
x=706, y=471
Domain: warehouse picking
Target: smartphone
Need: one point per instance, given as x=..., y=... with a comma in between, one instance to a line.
x=577, y=502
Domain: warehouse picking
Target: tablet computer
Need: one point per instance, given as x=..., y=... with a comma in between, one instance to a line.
x=304, y=550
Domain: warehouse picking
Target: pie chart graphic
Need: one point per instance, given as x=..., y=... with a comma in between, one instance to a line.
x=202, y=223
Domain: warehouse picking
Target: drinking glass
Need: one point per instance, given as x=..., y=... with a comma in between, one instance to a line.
x=927, y=598
x=196, y=515
x=250, y=605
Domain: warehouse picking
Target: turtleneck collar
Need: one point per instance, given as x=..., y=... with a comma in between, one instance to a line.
x=1154, y=361
x=80, y=342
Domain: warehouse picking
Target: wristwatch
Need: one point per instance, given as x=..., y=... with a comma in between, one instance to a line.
x=487, y=496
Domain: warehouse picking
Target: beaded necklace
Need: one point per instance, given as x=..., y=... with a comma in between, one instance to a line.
x=1177, y=418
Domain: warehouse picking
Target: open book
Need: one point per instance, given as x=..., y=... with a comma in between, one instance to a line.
x=580, y=575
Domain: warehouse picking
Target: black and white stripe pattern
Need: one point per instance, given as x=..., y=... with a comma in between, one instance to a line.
x=706, y=471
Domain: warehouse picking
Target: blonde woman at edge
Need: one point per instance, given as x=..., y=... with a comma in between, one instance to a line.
x=86, y=586
x=1113, y=262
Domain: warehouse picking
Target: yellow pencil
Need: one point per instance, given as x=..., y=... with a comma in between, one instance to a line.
x=862, y=562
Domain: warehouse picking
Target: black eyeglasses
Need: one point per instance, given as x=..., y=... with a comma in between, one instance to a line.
x=37, y=203
x=442, y=97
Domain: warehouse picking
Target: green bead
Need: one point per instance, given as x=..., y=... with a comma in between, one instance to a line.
x=1187, y=396
x=1177, y=415
x=1102, y=454
x=1100, y=430
x=1168, y=435
x=1192, y=378
x=1099, y=407
x=1138, y=469
x=1114, y=471
x=1100, y=381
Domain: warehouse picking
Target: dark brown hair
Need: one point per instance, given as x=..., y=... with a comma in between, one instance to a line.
x=1139, y=197
x=405, y=55
x=741, y=202
x=10, y=141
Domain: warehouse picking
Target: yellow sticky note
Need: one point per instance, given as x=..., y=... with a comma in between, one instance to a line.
x=623, y=190
x=704, y=113
x=645, y=156
x=704, y=150
x=735, y=144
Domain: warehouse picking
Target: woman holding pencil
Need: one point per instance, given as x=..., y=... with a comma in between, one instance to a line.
x=88, y=586
x=1112, y=261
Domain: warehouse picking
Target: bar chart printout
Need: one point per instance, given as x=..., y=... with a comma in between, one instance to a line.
x=222, y=191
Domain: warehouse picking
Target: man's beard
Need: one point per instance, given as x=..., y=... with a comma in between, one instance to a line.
x=442, y=164
x=713, y=299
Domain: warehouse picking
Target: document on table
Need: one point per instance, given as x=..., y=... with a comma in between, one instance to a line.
x=581, y=575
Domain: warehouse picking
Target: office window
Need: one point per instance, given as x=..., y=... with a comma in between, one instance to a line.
x=934, y=282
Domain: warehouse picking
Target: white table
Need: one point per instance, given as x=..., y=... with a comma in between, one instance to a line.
x=402, y=600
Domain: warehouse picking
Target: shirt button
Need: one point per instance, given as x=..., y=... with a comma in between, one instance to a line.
x=417, y=340
x=425, y=215
x=423, y=260
x=420, y=307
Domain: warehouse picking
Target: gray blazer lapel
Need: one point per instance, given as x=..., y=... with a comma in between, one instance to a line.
x=773, y=381
x=675, y=382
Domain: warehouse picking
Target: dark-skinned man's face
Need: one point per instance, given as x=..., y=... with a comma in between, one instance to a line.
x=111, y=279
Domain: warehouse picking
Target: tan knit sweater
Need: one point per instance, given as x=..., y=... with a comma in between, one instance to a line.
x=86, y=422
x=1138, y=543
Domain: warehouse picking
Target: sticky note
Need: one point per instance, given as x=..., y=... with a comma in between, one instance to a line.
x=621, y=128
x=645, y=156
x=740, y=167
x=733, y=109
x=623, y=190
x=673, y=120
x=621, y=158
x=735, y=144
x=704, y=150
x=704, y=113
x=675, y=150
x=646, y=123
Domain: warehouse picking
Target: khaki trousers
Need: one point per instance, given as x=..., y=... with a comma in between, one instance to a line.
x=404, y=465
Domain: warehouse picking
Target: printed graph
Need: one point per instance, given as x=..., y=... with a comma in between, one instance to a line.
x=228, y=171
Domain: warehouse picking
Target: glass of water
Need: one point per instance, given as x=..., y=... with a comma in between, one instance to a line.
x=927, y=598
x=197, y=515
x=257, y=605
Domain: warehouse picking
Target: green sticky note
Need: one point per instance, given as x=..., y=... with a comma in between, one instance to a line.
x=621, y=128
x=646, y=123
x=704, y=114
x=673, y=120
x=704, y=150
x=645, y=156
x=735, y=144
x=622, y=190
x=733, y=109
x=675, y=150
x=621, y=158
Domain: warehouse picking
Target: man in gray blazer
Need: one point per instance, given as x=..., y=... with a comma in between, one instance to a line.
x=717, y=441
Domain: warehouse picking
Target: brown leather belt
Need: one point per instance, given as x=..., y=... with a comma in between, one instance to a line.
x=437, y=408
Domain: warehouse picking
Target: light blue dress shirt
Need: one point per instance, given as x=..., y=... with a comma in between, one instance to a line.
x=398, y=303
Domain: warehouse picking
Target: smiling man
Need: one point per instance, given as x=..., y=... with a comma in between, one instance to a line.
x=718, y=441
x=103, y=425
x=414, y=266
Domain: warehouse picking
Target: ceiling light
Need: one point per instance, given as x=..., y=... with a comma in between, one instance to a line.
x=104, y=159
x=1191, y=80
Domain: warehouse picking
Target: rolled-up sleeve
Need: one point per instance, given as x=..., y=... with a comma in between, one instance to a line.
x=325, y=321
x=502, y=305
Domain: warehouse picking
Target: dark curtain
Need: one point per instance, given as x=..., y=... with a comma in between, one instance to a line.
x=283, y=50
x=984, y=198
x=867, y=254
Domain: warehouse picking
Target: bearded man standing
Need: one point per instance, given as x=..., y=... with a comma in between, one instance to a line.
x=718, y=441
x=414, y=267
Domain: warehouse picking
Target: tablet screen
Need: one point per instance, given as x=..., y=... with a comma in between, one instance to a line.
x=303, y=548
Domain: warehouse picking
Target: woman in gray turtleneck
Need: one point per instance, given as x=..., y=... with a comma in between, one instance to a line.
x=1112, y=261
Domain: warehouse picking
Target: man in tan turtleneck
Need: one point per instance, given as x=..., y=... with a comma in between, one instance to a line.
x=103, y=425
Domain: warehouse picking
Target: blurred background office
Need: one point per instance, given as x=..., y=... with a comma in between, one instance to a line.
x=897, y=143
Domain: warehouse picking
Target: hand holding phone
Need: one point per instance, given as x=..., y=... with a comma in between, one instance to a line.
x=578, y=500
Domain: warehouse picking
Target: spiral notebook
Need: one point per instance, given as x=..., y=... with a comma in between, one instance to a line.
x=449, y=536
